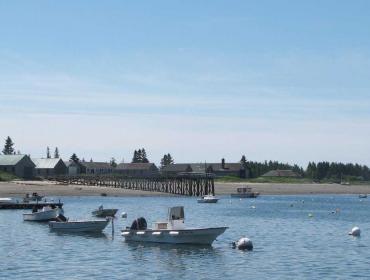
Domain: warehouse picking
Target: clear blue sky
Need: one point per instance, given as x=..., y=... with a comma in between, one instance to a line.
x=202, y=80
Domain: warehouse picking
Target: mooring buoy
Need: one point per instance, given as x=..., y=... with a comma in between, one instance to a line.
x=243, y=243
x=355, y=231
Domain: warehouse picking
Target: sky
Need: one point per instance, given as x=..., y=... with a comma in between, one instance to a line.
x=202, y=80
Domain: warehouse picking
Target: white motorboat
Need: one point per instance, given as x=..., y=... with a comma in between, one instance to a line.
x=78, y=226
x=103, y=213
x=171, y=231
x=45, y=214
x=362, y=196
x=208, y=199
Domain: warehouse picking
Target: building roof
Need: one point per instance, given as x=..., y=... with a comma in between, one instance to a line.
x=96, y=165
x=201, y=167
x=226, y=167
x=178, y=167
x=281, y=173
x=46, y=163
x=10, y=159
x=135, y=166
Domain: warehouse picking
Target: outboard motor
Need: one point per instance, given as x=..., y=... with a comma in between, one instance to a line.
x=139, y=224
x=61, y=218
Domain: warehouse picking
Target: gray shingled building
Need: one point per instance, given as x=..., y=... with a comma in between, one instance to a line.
x=97, y=168
x=219, y=169
x=49, y=167
x=19, y=165
x=281, y=173
x=137, y=169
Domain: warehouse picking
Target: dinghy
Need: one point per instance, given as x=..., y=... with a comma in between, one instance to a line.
x=47, y=213
x=171, y=231
x=103, y=213
x=63, y=224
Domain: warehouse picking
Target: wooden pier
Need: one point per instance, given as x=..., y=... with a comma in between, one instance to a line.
x=189, y=185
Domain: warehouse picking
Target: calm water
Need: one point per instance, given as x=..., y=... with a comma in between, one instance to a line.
x=288, y=244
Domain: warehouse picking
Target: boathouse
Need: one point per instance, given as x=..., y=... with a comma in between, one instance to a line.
x=137, y=169
x=20, y=165
x=97, y=168
x=74, y=168
x=49, y=167
x=221, y=169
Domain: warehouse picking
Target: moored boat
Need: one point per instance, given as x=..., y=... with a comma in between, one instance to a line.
x=362, y=195
x=34, y=197
x=245, y=192
x=102, y=213
x=78, y=226
x=171, y=231
x=208, y=199
x=47, y=213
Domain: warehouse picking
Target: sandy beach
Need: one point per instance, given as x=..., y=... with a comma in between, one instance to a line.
x=20, y=188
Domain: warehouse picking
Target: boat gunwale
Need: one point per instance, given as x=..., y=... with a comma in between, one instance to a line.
x=169, y=230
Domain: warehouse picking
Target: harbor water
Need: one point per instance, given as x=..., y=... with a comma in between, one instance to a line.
x=294, y=237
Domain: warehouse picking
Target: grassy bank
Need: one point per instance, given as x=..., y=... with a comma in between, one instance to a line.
x=287, y=180
x=5, y=176
x=280, y=180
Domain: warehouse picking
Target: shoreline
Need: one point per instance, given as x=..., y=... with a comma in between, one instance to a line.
x=46, y=188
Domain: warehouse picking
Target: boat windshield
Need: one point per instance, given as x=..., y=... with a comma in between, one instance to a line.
x=176, y=213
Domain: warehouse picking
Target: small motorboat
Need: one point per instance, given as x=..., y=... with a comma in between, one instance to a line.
x=63, y=224
x=34, y=197
x=103, y=213
x=47, y=213
x=171, y=231
x=208, y=199
x=245, y=192
x=362, y=196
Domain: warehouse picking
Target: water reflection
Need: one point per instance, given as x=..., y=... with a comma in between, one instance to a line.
x=87, y=235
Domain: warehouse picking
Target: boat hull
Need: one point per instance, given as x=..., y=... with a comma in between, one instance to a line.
x=79, y=226
x=105, y=213
x=212, y=200
x=245, y=195
x=204, y=236
x=42, y=216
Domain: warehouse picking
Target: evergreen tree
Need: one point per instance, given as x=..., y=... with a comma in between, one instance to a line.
x=113, y=162
x=48, y=152
x=243, y=161
x=166, y=160
x=135, y=157
x=8, y=147
x=140, y=156
x=74, y=158
x=143, y=156
x=56, y=153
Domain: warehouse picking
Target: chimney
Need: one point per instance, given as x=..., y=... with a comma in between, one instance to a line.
x=223, y=163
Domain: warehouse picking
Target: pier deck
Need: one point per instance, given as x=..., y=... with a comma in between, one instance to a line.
x=23, y=205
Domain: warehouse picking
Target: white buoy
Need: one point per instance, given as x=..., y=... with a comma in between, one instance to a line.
x=124, y=215
x=243, y=243
x=355, y=231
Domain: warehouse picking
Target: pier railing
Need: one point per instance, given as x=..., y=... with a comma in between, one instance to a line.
x=185, y=184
